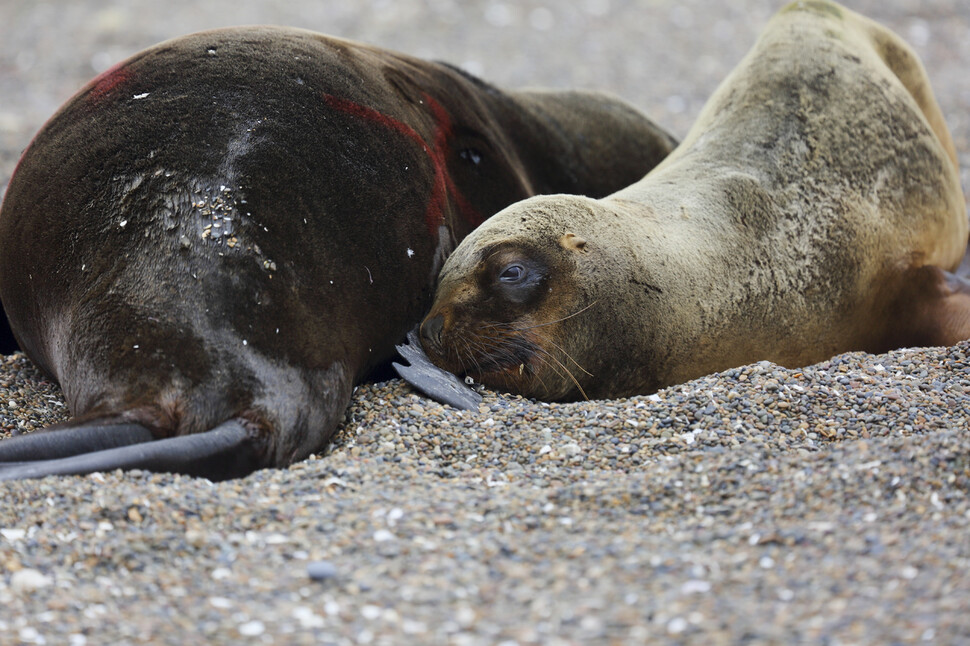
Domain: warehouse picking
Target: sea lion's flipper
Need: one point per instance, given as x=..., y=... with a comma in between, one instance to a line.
x=440, y=385
x=54, y=443
x=224, y=452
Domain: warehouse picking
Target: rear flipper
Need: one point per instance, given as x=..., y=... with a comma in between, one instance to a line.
x=61, y=443
x=227, y=451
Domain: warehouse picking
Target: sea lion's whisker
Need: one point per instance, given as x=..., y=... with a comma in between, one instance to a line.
x=493, y=349
x=542, y=357
x=560, y=320
x=504, y=348
x=515, y=328
x=566, y=370
x=519, y=332
x=506, y=345
x=539, y=352
x=471, y=356
x=500, y=349
x=565, y=354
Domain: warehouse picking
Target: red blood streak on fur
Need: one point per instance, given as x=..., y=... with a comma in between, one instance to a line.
x=107, y=82
x=443, y=130
x=100, y=87
x=437, y=152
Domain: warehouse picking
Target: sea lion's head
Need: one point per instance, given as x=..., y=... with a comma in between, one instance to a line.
x=511, y=308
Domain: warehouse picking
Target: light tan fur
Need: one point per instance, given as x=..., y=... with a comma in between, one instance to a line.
x=816, y=197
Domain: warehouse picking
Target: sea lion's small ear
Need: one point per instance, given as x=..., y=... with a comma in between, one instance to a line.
x=572, y=242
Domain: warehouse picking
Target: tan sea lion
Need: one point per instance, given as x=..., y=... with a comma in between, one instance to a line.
x=215, y=240
x=811, y=210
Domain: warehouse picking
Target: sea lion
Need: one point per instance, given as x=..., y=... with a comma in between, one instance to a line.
x=811, y=210
x=8, y=344
x=213, y=241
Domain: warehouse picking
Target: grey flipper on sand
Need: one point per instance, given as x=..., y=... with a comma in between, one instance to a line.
x=440, y=385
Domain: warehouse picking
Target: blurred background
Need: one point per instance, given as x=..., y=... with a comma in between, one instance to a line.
x=665, y=56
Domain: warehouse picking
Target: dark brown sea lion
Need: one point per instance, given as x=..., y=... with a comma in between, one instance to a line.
x=811, y=210
x=8, y=344
x=214, y=241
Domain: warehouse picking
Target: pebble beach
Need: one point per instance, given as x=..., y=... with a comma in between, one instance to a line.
x=828, y=504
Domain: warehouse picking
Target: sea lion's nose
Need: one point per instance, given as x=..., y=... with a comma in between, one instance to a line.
x=431, y=330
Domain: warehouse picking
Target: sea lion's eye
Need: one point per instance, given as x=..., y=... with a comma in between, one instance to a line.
x=472, y=155
x=512, y=274
x=518, y=279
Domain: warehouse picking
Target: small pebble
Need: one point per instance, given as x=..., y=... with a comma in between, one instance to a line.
x=321, y=570
x=383, y=535
x=28, y=580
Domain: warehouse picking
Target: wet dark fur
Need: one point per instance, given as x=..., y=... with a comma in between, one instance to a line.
x=332, y=169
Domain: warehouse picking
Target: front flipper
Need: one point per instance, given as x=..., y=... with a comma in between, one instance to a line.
x=227, y=451
x=440, y=385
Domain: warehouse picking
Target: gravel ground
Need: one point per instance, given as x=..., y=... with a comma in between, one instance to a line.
x=761, y=505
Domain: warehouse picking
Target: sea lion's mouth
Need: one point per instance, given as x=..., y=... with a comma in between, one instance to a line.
x=517, y=362
x=491, y=352
x=508, y=357
x=501, y=349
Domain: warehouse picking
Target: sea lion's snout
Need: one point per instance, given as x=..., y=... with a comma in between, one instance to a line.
x=431, y=331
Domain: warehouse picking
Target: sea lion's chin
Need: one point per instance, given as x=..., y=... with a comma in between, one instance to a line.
x=513, y=378
x=498, y=367
x=532, y=378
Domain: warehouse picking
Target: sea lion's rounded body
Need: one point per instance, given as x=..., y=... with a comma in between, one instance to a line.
x=242, y=223
x=808, y=212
